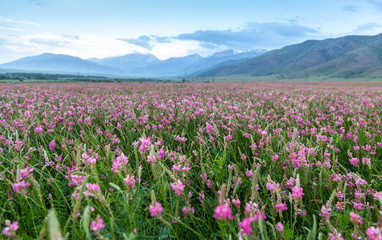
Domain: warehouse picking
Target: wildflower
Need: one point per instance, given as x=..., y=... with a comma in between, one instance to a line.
x=130, y=181
x=10, y=229
x=92, y=190
x=20, y=187
x=326, y=212
x=281, y=207
x=187, y=210
x=156, y=209
x=52, y=145
x=280, y=228
x=335, y=236
x=177, y=187
x=354, y=161
x=119, y=163
x=97, y=224
x=228, y=138
x=360, y=182
x=272, y=186
x=89, y=159
x=223, y=212
x=151, y=159
x=39, y=129
x=297, y=192
x=374, y=233
x=355, y=218
x=236, y=202
x=245, y=224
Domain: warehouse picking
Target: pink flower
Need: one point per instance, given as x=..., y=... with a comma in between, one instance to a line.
x=20, y=187
x=156, y=209
x=130, y=181
x=297, y=192
x=151, y=158
x=178, y=187
x=88, y=159
x=228, y=138
x=236, y=202
x=280, y=227
x=374, y=233
x=187, y=210
x=52, y=145
x=272, y=186
x=355, y=218
x=10, y=229
x=223, y=212
x=281, y=207
x=360, y=182
x=246, y=225
x=325, y=212
x=97, y=224
x=39, y=129
x=92, y=190
x=354, y=161
x=335, y=236
x=119, y=163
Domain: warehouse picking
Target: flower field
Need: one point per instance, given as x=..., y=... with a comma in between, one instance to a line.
x=190, y=161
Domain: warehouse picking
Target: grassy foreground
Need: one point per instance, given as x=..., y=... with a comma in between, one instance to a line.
x=190, y=161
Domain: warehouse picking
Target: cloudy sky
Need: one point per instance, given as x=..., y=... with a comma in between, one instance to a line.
x=172, y=28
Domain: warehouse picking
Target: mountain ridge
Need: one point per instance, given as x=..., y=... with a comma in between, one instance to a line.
x=351, y=55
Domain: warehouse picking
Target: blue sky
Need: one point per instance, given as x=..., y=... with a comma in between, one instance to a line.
x=173, y=28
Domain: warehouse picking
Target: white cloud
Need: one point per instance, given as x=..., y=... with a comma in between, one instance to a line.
x=83, y=46
x=9, y=20
x=11, y=29
x=179, y=48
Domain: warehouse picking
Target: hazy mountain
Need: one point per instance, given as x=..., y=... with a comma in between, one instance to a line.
x=188, y=65
x=223, y=58
x=342, y=57
x=58, y=63
x=169, y=67
x=129, y=62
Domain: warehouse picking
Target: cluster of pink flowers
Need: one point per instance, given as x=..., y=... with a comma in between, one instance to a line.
x=156, y=209
x=119, y=163
x=177, y=187
x=223, y=212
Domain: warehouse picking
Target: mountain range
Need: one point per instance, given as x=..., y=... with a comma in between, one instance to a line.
x=349, y=56
x=135, y=65
x=344, y=57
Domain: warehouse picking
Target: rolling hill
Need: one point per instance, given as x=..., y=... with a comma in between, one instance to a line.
x=348, y=56
x=58, y=63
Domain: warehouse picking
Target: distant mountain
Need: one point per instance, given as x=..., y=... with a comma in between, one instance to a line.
x=348, y=56
x=134, y=65
x=128, y=63
x=188, y=65
x=58, y=63
x=223, y=58
x=169, y=67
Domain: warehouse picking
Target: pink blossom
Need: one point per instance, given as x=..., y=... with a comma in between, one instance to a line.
x=130, y=181
x=374, y=233
x=245, y=224
x=177, y=187
x=281, y=207
x=223, y=212
x=10, y=229
x=326, y=212
x=156, y=209
x=279, y=227
x=297, y=192
x=97, y=224
x=355, y=218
